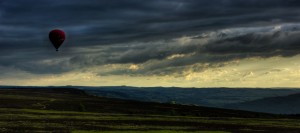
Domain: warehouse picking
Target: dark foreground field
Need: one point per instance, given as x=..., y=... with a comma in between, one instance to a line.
x=72, y=110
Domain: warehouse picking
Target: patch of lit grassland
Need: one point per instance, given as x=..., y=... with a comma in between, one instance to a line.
x=78, y=122
x=31, y=114
x=162, y=131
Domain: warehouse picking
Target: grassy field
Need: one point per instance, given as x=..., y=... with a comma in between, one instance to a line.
x=68, y=110
x=162, y=131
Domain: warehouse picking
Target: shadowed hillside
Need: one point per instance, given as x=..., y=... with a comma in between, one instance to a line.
x=212, y=97
x=277, y=105
x=67, y=99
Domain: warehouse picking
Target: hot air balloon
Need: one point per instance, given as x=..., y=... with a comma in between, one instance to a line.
x=57, y=37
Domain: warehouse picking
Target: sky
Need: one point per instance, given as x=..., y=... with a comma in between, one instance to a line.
x=182, y=43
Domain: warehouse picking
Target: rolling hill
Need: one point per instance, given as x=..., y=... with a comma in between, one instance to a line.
x=277, y=105
x=212, y=97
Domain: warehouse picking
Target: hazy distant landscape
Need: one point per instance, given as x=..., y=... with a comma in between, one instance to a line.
x=231, y=98
x=278, y=105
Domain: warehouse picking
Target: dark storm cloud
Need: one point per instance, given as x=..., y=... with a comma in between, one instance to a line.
x=155, y=57
x=284, y=43
x=24, y=27
x=217, y=52
x=97, y=22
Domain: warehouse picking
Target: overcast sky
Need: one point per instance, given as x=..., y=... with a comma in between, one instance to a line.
x=184, y=43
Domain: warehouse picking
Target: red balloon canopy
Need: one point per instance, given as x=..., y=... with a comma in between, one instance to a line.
x=57, y=37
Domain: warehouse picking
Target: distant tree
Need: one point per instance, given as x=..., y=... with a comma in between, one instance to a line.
x=172, y=102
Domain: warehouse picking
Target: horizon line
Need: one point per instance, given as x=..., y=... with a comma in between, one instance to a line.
x=53, y=86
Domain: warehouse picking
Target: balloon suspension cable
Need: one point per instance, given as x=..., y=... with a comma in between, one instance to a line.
x=57, y=50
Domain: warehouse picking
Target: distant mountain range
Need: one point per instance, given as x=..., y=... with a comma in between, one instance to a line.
x=211, y=97
x=277, y=105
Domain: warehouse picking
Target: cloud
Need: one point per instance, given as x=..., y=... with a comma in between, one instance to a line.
x=218, y=51
x=102, y=22
x=175, y=56
x=159, y=36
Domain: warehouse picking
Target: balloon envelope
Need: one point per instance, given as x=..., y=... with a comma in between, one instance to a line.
x=57, y=37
